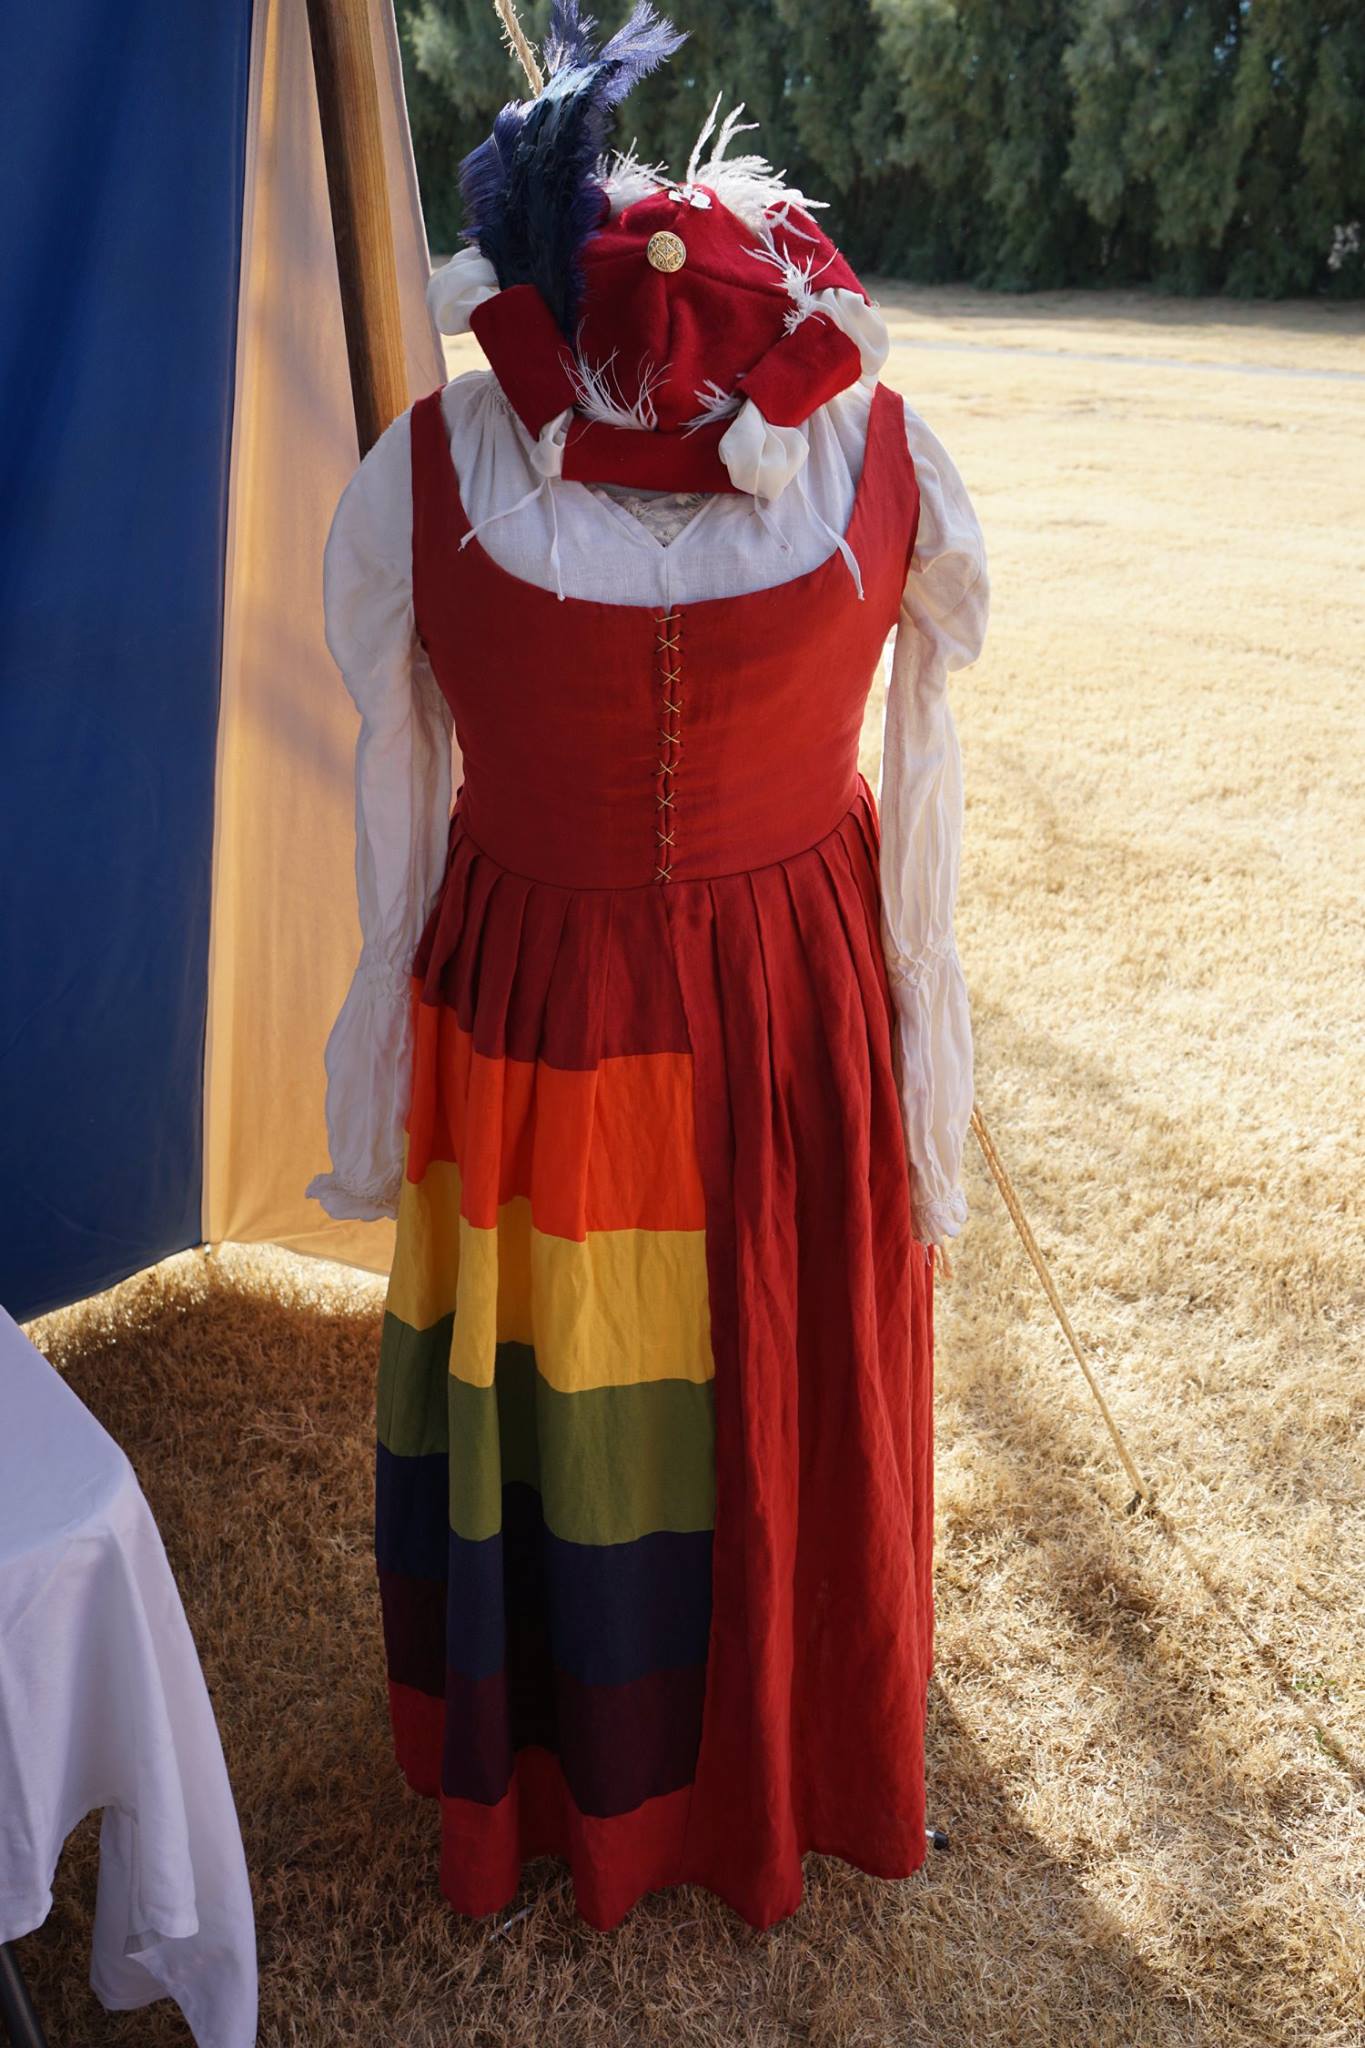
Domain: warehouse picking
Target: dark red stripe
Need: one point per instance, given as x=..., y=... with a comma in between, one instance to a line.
x=617, y=1744
x=414, y=1615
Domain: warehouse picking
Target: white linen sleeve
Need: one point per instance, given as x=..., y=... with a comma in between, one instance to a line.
x=406, y=761
x=941, y=627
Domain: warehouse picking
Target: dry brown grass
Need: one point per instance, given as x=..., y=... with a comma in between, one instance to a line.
x=1149, y=1746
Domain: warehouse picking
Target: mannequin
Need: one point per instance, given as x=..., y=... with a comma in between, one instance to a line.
x=658, y=1047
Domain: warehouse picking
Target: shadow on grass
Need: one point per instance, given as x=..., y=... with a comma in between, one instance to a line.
x=1170, y=1684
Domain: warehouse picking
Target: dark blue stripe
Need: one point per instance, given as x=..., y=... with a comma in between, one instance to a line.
x=604, y=1613
x=411, y=1514
x=607, y=1612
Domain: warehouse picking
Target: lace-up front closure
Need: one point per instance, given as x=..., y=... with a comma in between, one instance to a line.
x=574, y=716
x=670, y=741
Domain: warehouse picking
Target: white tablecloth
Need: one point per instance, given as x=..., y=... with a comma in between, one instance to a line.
x=103, y=1704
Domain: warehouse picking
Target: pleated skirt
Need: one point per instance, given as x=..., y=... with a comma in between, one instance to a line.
x=654, y=1467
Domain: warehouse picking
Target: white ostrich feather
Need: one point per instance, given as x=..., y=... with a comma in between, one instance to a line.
x=599, y=396
x=625, y=179
x=716, y=404
x=747, y=185
x=798, y=274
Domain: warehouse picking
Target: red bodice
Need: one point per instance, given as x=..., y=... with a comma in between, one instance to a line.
x=611, y=745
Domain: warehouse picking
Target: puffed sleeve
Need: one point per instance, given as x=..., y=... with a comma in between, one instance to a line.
x=405, y=762
x=941, y=628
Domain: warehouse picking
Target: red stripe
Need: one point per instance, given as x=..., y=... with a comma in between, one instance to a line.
x=614, y=1861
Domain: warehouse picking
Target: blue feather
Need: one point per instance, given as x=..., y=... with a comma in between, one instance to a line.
x=569, y=38
x=637, y=48
x=530, y=198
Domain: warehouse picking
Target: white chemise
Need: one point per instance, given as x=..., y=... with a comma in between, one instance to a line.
x=585, y=541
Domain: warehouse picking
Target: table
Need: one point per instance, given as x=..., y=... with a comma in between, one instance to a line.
x=103, y=1705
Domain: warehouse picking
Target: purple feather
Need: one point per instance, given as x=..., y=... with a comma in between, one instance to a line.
x=529, y=194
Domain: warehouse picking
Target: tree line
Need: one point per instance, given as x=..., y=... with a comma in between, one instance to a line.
x=1191, y=145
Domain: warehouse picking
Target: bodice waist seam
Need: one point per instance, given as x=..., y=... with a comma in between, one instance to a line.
x=459, y=829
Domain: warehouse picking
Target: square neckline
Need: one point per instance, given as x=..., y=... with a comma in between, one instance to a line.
x=467, y=537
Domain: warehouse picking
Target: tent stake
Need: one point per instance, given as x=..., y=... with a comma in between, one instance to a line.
x=357, y=186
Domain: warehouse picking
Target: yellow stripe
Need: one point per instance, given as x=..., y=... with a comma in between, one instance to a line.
x=610, y=1310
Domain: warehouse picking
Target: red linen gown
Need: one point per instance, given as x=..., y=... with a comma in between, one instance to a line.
x=653, y=1503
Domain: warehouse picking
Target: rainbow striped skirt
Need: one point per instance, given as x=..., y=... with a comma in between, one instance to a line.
x=653, y=1501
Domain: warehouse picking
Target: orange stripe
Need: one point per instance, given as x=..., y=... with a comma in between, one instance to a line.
x=606, y=1148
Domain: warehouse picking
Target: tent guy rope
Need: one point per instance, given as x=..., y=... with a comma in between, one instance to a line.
x=1040, y=1265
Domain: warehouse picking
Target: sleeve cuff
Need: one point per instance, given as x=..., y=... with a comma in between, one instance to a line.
x=934, y=1072
x=937, y=1217
x=368, y=1061
x=347, y=1204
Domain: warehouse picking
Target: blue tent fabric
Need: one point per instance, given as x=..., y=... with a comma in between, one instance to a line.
x=122, y=146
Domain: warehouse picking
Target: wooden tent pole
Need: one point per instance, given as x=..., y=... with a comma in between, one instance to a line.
x=357, y=185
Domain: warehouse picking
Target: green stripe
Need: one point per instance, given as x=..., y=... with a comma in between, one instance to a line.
x=414, y=1366
x=611, y=1463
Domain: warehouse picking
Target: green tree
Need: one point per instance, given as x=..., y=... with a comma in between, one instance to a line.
x=457, y=73
x=1299, y=123
x=1203, y=145
x=804, y=68
x=980, y=111
x=1220, y=144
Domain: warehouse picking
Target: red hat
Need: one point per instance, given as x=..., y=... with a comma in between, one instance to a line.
x=688, y=329
x=678, y=281
x=685, y=314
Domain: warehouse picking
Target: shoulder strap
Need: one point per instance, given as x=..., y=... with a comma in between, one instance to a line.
x=434, y=484
x=438, y=514
x=886, y=507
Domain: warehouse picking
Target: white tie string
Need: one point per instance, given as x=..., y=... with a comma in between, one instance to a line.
x=844, y=549
x=505, y=511
x=770, y=526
